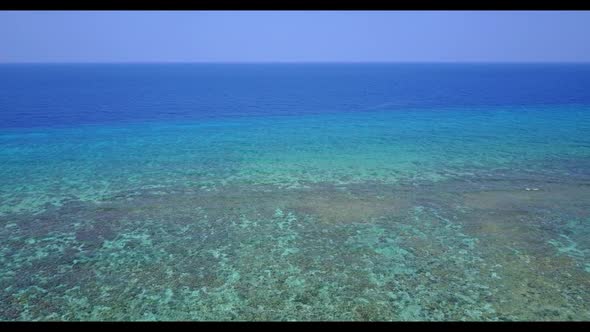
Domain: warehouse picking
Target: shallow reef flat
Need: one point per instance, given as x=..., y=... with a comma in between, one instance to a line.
x=499, y=245
x=423, y=214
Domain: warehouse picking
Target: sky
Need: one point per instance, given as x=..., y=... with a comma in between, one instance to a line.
x=294, y=36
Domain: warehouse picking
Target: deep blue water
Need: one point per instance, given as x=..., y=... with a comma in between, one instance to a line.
x=295, y=192
x=54, y=95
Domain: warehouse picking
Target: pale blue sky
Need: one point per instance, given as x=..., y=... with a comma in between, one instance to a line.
x=306, y=36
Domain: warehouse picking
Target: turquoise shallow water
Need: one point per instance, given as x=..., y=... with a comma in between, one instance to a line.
x=418, y=213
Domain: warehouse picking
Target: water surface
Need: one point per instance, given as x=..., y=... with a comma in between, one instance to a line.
x=295, y=192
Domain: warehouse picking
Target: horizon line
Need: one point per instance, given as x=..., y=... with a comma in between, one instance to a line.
x=295, y=62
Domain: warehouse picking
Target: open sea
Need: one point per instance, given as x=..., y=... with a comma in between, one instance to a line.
x=295, y=192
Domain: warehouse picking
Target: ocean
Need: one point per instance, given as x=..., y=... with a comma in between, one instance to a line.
x=295, y=192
